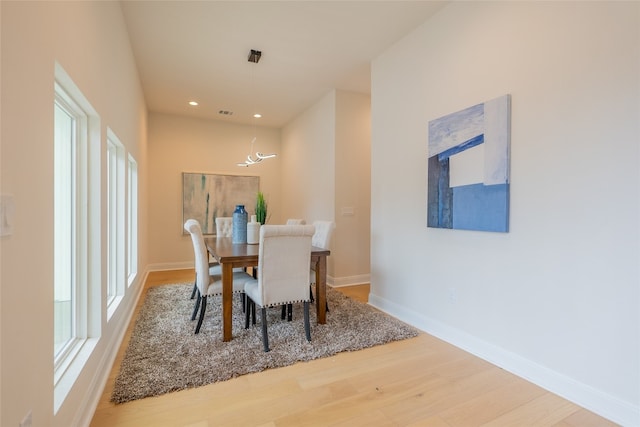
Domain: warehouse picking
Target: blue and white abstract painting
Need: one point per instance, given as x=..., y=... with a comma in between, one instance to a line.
x=468, y=169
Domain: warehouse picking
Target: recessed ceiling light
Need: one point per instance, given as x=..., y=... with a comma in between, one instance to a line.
x=257, y=115
x=194, y=103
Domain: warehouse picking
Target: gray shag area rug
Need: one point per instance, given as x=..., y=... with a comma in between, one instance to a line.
x=164, y=354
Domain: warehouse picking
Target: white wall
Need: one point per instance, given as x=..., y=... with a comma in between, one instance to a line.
x=308, y=160
x=556, y=299
x=179, y=144
x=325, y=171
x=353, y=188
x=308, y=165
x=89, y=40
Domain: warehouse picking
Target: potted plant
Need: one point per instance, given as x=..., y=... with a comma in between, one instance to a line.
x=261, y=208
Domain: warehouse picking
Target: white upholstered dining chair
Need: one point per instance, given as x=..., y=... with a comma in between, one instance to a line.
x=224, y=228
x=296, y=221
x=283, y=273
x=208, y=284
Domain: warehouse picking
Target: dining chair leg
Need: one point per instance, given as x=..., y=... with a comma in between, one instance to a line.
x=202, y=310
x=247, y=312
x=196, y=307
x=250, y=313
x=287, y=312
x=253, y=311
x=307, y=328
x=312, y=299
x=195, y=288
x=265, y=337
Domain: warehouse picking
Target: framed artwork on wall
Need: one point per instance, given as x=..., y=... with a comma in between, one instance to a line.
x=207, y=196
x=468, y=168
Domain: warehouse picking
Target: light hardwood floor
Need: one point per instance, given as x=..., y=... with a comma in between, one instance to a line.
x=421, y=381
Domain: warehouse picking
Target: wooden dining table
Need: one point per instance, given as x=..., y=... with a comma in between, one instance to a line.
x=231, y=255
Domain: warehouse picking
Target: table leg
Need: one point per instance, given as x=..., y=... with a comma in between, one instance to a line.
x=227, y=301
x=321, y=290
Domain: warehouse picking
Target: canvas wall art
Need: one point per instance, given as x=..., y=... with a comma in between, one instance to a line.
x=208, y=196
x=468, y=168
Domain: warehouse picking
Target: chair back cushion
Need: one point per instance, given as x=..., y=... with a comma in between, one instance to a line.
x=201, y=255
x=283, y=270
x=322, y=236
x=295, y=221
x=224, y=226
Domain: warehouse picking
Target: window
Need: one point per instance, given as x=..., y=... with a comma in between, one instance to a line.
x=70, y=128
x=76, y=229
x=132, y=221
x=115, y=220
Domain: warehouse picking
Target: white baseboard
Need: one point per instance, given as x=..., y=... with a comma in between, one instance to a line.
x=337, y=282
x=90, y=403
x=171, y=266
x=603, y=404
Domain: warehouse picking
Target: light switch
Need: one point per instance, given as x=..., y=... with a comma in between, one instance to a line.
x=347, y=211
x=7, y=210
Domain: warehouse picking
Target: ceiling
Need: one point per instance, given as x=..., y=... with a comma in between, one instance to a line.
x=198, y=50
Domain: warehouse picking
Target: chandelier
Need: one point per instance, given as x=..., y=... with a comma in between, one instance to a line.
x=258, y=156
x=252, y=159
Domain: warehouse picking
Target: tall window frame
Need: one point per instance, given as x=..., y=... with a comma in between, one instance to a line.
x=132, y=219
x=76, y=233
x=70, y=139
x=116, y=200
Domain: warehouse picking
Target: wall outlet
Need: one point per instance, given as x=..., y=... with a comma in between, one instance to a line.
x=452, y=295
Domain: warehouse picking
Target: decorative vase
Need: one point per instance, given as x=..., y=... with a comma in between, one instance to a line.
x=239, y=231
x=253, y=231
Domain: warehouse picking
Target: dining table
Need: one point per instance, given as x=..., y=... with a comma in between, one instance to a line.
x=231, y=255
